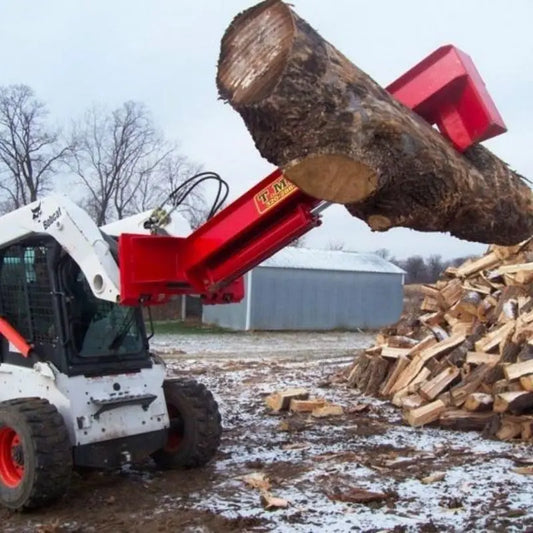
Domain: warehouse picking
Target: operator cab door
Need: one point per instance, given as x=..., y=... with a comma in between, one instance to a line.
x=103, y=337
x=27, y=302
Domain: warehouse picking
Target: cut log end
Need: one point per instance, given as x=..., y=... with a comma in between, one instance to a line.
x=379, y=223
x=333, y=177
x=254, y=52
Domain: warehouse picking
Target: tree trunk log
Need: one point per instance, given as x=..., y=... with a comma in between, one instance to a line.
x=341, y=137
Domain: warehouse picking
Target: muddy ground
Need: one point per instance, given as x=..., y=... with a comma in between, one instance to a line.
x=313, y=464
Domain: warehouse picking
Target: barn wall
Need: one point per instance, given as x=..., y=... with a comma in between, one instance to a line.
x=292, y=299
x=231, y=316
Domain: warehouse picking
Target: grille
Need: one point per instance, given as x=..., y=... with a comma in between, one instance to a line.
x=26, y=293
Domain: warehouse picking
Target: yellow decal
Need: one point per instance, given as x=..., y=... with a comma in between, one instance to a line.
x=274, y=193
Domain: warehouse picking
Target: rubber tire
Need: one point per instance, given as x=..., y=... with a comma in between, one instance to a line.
x=201, y=425
x=47, y=453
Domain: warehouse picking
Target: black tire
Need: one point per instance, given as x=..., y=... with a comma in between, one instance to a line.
x=195, y=425
x=35, y=453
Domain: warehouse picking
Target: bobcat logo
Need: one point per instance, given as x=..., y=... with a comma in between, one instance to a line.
x=52, y=218
x=36, y=213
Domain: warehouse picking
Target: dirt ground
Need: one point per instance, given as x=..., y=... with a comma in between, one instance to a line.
x=313, y=464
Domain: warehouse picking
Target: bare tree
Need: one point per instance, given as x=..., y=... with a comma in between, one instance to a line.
x=383, y=253
x=173, y=172
x=117, y=155
x=435, y=267
x=458, y=261
x=30, y=151
x=415, y=268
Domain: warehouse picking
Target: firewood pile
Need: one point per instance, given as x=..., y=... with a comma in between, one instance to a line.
x=466, y=361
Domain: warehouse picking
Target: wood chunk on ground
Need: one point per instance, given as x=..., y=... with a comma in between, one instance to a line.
x=433, y=478
x=329, y=409
x=524, y=470
x=271, y=502
x=357, y=408
x=281, y=400
x=257, y=480
x=306, y=406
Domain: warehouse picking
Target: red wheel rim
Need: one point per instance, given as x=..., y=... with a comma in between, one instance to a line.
x=174, y=437
x=11, y=458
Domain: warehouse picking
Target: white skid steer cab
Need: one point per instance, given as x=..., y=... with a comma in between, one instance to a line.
x=78, y=385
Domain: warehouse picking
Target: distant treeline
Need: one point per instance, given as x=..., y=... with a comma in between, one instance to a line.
x=424, y=270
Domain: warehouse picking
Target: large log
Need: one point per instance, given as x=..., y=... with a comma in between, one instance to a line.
x=341, y=137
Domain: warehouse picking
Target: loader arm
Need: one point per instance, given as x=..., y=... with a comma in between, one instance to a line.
x=75, y=231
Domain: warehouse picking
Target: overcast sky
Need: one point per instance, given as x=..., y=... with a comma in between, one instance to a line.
x=164, y=53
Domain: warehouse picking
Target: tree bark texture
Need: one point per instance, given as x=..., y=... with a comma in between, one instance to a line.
x=341, y=137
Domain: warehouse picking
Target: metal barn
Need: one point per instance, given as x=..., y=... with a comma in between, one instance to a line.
x=303, y=289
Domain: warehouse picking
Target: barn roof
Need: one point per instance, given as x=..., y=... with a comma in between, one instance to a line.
x=305, y=258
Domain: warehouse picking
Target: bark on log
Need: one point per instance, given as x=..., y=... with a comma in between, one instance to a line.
x=377, y=371
x=360, y=377
x=513, y=402
x=464, y=420
x=341, y=137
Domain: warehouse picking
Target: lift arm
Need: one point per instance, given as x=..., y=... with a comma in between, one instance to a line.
x=75, y=231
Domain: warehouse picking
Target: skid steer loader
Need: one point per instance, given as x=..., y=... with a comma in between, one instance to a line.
x=78, y=384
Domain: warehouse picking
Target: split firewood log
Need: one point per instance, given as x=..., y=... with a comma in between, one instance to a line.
x=340, y=137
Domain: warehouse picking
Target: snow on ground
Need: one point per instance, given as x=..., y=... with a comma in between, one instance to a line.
x=371, y=450
x=262, y=344
x=310, y=462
